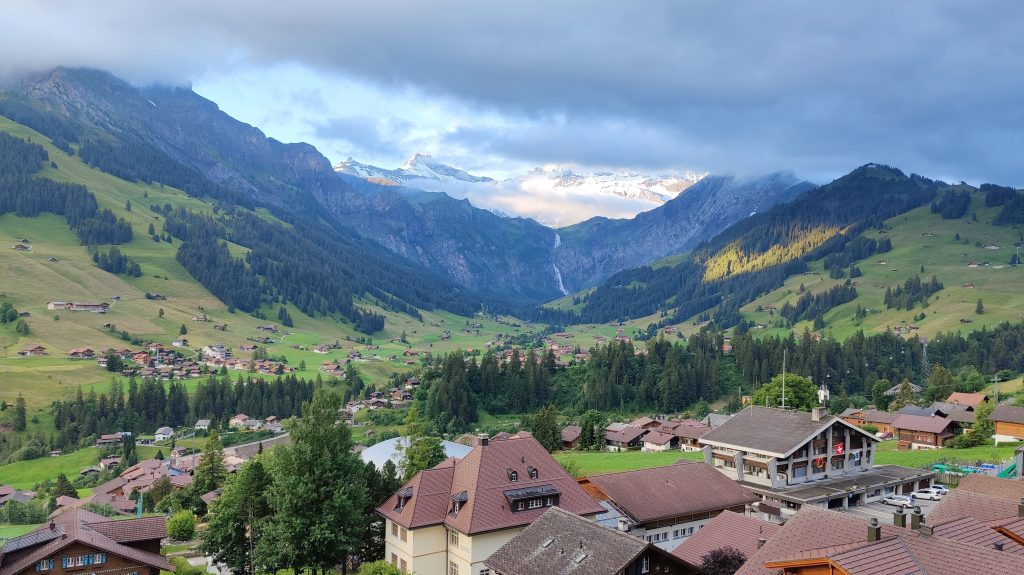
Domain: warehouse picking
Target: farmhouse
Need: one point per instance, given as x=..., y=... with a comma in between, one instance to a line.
x=659, y=441
x=452, y=517
x=81, y=353
x=77, y=306
x=876, y=417
x=163, y=433
x=77, y=540
x=1009, y=423
x=624, y=437
x=666, y=505
x=33, y=351
x=571, y=436
x=923, y=432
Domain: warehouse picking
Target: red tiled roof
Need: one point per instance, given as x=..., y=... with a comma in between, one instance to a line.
x=971, y=399
x=685, y=488
x=960, y=503
x=926, y=424
x=691, y=430
x=571, y=433
x=994, y=486
x=973, y=532
x=483, y=478
x=726, y=529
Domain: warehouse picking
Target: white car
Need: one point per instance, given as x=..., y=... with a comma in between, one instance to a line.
x=930, y=493
x=941, y=488
x=898, y=500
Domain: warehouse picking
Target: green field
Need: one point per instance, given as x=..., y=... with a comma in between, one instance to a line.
x=925, y=458
x=25, y=474
x=12, y=531
x=596, y=462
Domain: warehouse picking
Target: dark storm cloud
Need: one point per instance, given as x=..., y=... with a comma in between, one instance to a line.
x=818, y=87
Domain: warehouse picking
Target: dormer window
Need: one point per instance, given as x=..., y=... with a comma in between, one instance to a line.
x=533, y=472
x=513, y=475
x=458, y=500
x=403, y=498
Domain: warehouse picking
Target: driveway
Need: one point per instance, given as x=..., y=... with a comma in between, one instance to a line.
x=884, y=513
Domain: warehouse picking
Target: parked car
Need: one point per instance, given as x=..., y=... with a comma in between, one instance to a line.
x=941, y=488
x=898, y=500
x=929, y=493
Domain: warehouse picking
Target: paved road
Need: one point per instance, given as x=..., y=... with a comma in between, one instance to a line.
x=884, y=513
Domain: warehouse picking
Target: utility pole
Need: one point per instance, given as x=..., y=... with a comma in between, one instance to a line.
x=995, y=386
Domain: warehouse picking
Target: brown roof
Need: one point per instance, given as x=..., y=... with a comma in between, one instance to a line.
x=927, y=556
x=870, y=415
x=482, y=481
x=1008, y=414
x=994, y=486
x=560, y=542
x=978, y=533
x=726, y=529
x=926, y=424
x=685, y=488
x=691, y=430
x=771, y=430
x=971, y=399
x=571, y=433
x=79, y=526
x=627, y=434
x=658, y=438
x=955, y=411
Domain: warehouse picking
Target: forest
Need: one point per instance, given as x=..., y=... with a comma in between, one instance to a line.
x=25, y=195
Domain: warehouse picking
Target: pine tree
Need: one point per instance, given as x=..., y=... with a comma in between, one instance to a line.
x=236, y=519
x=545, y=428
x=980, y=308
x=183, y=330
x=210, y=472
x=20, y=414
x=63, y=488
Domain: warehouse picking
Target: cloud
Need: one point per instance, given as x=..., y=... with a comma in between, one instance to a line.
x=745, y=86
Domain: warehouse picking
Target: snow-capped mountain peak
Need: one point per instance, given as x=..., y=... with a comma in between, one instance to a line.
x=418, y=167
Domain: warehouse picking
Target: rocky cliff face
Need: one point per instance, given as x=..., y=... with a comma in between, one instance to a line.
x=597, y=248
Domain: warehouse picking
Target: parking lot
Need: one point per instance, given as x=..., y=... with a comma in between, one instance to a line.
x=884, y=512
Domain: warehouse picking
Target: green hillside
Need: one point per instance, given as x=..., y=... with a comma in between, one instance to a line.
x=919, y=239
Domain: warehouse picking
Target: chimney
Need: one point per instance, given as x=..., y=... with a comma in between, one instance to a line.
x=899, y=518
x=818, y=413
x=926, y=530
x=623, y=524
x=874, y=530
x=916, y=518
x=760, y=542
x=52, y=526
x=998, y=545
x=483, y=439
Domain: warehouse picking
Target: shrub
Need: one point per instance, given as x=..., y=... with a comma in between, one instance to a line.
x=872, y=429
x=181, y=526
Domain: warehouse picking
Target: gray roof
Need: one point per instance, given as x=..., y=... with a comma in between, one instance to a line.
x=563, y=543
x=379, y=453
x=955, y=411
x=914, y=388
x=919, y=411
x=713, y=420
x=770, y=430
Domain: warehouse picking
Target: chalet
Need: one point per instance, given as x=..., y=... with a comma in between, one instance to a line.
x=180, y=342
x=78, y=306
x=110, y=439
x=238, y=420
x=1009, y=423
x=376, y=404
x=892, y=391
x=452, y=517
x=666, y=505
x=102, y=362
x=727, y=529
x=876, y=417
x=247, y=347
x=322, y=349
x=21, y=248
x=963, y=415
x=541, y=548
x=76, y=540
x=646, y=423
x=33, y=351
x=923, y=432
x=81, y=353
x=689, y=435
x=215, y=351
x=794, y=458
x=202, y=425
x=624, y=437
x=110, y=462
x=972, y=400
x=659, y=441
x=270, y=328
x=571, y=436
x=163, y=433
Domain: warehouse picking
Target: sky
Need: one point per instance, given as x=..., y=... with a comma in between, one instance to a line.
x=745, y=87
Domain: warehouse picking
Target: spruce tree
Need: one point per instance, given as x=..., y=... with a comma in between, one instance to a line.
x=210, y=472
x=544, y=427
x=20, y=414
x=237, y=517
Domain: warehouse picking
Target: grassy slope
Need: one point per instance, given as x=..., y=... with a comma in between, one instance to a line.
x=888, y=455
x=25, y=474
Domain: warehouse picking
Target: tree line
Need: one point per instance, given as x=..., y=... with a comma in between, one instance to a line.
x=25, y=195
x=115, y=262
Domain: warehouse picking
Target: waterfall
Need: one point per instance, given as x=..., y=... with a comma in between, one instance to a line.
x=558, y=274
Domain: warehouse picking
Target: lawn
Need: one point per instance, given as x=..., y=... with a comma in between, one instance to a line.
x=888, y=455
x=25, y=474
x=596, y=462
x=12, y=531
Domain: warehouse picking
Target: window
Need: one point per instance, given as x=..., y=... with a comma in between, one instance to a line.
x=44, y=565
x=645, y=564
x=404, y=534
x=513, y=475
x=536, y=503
x=520, y=505
x=838, y=463
x=456, y=506
x=394, y=529
x=453, y=568
x=403, y=565
x=533, y=472
x=453, y=537
x=549, y=502
x=485, y=571
x=394, y=559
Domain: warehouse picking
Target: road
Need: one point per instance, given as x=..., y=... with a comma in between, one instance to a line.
x=884, y=513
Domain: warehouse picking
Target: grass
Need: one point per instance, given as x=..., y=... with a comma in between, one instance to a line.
x=25, y=474
x=888, y=455
x=597, y=462
x=12, y=531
